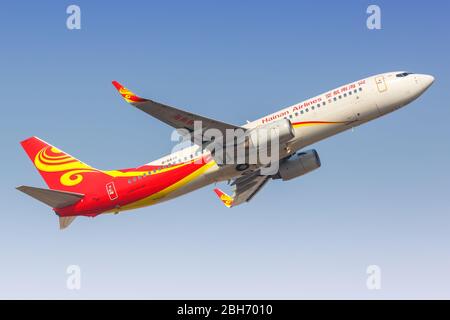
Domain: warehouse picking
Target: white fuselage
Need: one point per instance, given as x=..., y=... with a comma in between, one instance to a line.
x=322, y=116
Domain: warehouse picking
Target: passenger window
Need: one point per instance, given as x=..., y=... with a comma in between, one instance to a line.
x=360, y=89
x=324, y=103
x=335, y=99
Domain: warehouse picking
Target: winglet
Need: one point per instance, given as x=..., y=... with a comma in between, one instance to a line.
x=226, y=199
x=129, y=96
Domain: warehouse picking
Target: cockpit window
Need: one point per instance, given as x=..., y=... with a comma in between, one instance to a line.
x=404, y=74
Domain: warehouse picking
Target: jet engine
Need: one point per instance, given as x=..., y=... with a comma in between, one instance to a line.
x=298, y=164
x=255, y=146
x=263, y=136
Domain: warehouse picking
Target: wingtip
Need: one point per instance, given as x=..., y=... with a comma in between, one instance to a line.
x=226, y=199
x=129, y=96
x=117, y=85
x=218, y=192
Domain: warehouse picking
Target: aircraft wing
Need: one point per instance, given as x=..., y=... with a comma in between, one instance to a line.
x=176, y=118
x=245, y=188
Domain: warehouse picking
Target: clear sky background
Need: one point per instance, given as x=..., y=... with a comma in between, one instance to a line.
x=380, y=198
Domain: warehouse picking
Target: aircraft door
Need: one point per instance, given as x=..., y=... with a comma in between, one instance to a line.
x=365, y=105
x=381, y=84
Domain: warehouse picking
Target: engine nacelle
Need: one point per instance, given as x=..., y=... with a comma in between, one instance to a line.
x=263, y=136
x=257, y=145
x=298, y=164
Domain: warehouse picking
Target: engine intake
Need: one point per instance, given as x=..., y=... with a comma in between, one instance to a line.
x=298, y=164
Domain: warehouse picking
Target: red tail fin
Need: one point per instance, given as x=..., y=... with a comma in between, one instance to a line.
x=60, y=170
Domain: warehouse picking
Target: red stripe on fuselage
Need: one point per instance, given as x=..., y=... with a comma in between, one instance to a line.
x=144, y=186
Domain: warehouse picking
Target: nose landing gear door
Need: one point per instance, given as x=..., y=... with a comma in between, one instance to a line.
x=381, y=84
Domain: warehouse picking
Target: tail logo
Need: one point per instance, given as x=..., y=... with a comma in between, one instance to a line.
x=50, y=159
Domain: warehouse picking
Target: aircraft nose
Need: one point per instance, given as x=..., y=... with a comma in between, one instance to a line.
x=426, y=81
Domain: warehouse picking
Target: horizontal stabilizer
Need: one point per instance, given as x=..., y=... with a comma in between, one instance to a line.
x=53, y=198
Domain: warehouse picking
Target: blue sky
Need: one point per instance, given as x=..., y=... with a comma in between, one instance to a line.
x=380, y=198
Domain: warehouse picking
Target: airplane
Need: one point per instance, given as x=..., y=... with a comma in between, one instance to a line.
x=77, y=189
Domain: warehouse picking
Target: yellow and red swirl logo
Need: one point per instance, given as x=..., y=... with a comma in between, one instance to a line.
x=50, y=159
x=129, y=96
x=226, y=199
